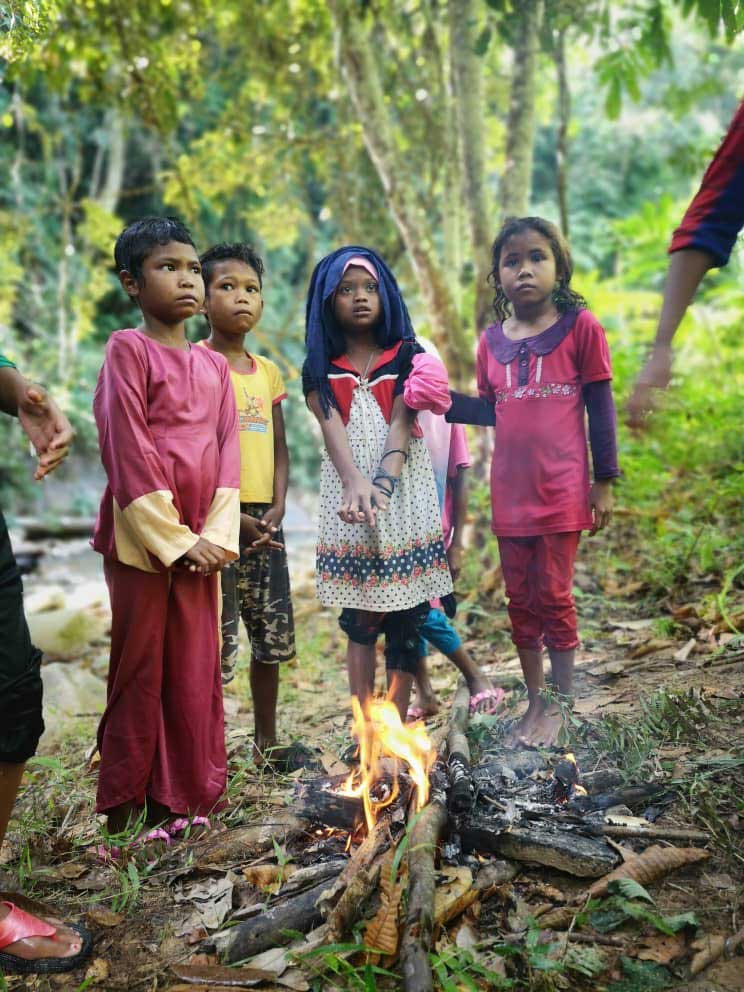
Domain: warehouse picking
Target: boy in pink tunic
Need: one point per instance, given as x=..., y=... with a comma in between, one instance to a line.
x=168, y=521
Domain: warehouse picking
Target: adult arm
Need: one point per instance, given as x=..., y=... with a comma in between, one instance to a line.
x=686, y=270
x=703, y=240
x=41, y=419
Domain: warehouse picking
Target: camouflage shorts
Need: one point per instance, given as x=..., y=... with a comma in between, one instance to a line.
x=256, y=588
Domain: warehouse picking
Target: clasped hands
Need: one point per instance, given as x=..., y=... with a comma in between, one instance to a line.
x=361, y=500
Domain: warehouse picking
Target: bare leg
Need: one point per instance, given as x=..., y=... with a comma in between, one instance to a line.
x=265, y=689
x=550, y=723
x=10, y=781
x=534, y=677
x=360, y=665
x=426, y=698
x=399, y=690
x=65, y=943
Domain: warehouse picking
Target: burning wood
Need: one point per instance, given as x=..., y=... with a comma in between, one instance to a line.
x=381, y=733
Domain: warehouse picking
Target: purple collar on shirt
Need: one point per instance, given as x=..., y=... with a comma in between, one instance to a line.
x=505, y=350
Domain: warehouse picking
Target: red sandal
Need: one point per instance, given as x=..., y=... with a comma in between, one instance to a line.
x=18, y=925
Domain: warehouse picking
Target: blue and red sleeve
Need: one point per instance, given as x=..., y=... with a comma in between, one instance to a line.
x=716, y=215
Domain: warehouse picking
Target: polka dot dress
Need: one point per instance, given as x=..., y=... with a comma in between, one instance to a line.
x=398, y=563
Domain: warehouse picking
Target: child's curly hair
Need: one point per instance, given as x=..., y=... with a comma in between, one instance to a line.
x=563, y=296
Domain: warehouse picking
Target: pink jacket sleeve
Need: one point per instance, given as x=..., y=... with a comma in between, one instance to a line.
x=427, y=385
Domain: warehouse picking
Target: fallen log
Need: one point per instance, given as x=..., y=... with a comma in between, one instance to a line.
x=458, y=753
x=270, y=928
x=332, y=809
x=566, y=850
x=419, y=923
x=231, y=847
x=376, y=842
x=655, y=833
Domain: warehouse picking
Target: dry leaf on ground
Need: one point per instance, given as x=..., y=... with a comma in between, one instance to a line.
x=454, y=895
x=97, y=971
x=708, y=949
x=662, y=948
x=102, y=917
x=654, y=863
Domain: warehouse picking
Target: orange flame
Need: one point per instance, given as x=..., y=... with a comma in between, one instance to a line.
x=382, y=734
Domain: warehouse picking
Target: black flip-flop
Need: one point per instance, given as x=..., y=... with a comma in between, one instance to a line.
x=11, y=964
x=290, y=758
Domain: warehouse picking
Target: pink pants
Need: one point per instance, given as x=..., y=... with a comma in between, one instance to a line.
x=162, y=733
x=538, y=573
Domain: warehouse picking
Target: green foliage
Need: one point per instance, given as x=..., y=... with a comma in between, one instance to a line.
x=628, y=901
x=641, y=976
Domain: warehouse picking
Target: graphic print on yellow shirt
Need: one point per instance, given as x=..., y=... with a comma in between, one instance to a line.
x=256, y=394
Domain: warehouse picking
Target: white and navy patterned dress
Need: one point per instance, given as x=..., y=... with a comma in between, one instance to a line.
x=400, y=562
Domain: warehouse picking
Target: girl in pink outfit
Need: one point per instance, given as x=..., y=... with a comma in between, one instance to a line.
x=541, y=367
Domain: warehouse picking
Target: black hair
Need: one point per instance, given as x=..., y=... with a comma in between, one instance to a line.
x=137, y=241
x=563, y=296
x=223, y=252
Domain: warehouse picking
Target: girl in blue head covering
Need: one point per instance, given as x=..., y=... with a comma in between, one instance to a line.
x=380, y=554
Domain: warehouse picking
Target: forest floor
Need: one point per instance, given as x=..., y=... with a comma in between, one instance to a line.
x=658, y=695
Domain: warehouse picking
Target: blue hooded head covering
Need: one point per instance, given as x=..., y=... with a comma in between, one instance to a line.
x=324, y=339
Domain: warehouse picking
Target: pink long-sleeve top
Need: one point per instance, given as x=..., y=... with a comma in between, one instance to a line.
x=167, y=429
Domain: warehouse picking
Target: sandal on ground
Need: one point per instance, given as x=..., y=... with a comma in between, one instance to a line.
x=291, y=758
x=182, y=826
x=19, y=925
x=495, y=697
x=112, y=854
x=415, y=714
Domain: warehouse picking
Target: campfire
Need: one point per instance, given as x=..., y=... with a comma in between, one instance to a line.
x=457, y=822
x=382, y=735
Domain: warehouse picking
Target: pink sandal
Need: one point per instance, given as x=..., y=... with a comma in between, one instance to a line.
x=18, y=925
x=182, y=825
x=496, y=697
x=113, y=854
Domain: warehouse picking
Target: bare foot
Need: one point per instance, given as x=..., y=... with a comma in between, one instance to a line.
x=65, y=943
x=547, y=728
x=521, y=732
x=423, y=707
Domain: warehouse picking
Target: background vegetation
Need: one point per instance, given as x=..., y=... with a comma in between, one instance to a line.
x=414, y=126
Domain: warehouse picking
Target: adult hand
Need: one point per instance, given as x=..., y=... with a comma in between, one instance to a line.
x=205, y=557
x=600, y=500
x=46, y=426
x=654, y=375
x=454, y=558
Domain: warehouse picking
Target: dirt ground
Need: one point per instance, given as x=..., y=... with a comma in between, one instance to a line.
x=659, y=696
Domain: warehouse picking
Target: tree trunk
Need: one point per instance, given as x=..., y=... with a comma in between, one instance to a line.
x=516, y=182
x=468, y=92
x=108, y=194
x=564, y=116
x=358, y=61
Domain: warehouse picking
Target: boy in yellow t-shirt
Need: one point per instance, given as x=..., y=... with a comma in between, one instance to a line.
x=257, y=586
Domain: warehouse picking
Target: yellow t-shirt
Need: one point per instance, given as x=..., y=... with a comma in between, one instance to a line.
x=256, y=394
